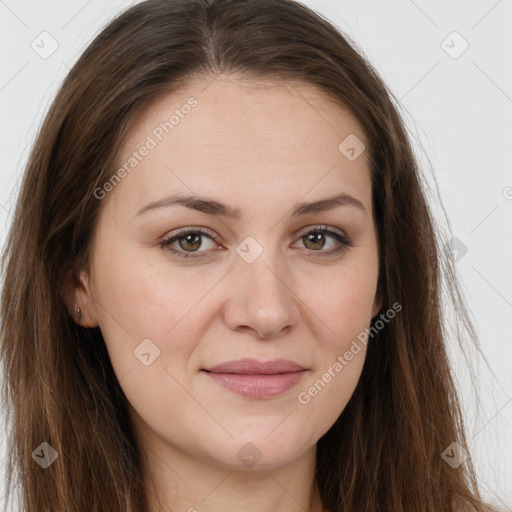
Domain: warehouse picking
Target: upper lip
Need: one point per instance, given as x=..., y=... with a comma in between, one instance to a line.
x=255, y=367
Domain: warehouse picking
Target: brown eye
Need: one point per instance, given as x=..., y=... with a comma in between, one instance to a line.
x=188, y=242
x=314, y=240
x=325, y=241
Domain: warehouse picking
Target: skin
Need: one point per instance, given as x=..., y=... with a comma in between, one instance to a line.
x=262, y=147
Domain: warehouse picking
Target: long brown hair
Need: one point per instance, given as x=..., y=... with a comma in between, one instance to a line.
x=384, y=453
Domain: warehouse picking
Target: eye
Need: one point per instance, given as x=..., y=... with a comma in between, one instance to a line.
x=317, y=238
x=189, y=241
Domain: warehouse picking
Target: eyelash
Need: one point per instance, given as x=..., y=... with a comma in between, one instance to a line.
x=344, y=241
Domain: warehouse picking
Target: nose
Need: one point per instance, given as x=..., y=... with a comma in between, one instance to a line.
x=261, y=298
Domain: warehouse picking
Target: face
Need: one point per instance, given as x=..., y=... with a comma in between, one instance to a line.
x=256, y=268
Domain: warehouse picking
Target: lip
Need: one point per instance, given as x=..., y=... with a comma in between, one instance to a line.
x=257, y=379
x=255, y=367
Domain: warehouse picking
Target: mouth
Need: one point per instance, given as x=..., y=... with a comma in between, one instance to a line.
x=257, y=379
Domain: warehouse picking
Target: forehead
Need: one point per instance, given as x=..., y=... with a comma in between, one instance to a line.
x=243, y=102
x=242, y=137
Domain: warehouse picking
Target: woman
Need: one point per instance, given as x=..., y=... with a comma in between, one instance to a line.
x=222, y=284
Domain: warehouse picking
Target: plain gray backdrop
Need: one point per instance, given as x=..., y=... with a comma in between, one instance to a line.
x=449, y=64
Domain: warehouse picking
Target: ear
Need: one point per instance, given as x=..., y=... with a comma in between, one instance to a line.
x=78, y=294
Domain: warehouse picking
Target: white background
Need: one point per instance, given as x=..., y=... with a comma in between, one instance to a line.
x=459, y=110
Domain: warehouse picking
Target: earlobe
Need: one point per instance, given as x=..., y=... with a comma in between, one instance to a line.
x=78, y=314
x=80, y=302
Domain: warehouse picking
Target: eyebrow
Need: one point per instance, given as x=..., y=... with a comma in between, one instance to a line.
x=212, y=207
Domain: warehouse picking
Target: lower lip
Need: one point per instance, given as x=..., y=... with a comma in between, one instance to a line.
x=257, y=386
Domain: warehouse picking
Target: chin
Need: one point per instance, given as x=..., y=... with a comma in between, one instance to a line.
x=263, y=451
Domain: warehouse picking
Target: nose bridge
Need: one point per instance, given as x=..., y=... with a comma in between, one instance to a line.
x=261, y=297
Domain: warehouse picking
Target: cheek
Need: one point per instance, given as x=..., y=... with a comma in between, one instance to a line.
x=342, y=310
x=343, y=302
x=148, y=298
x=344, y=307
x=150, y=331
x=144, y=295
